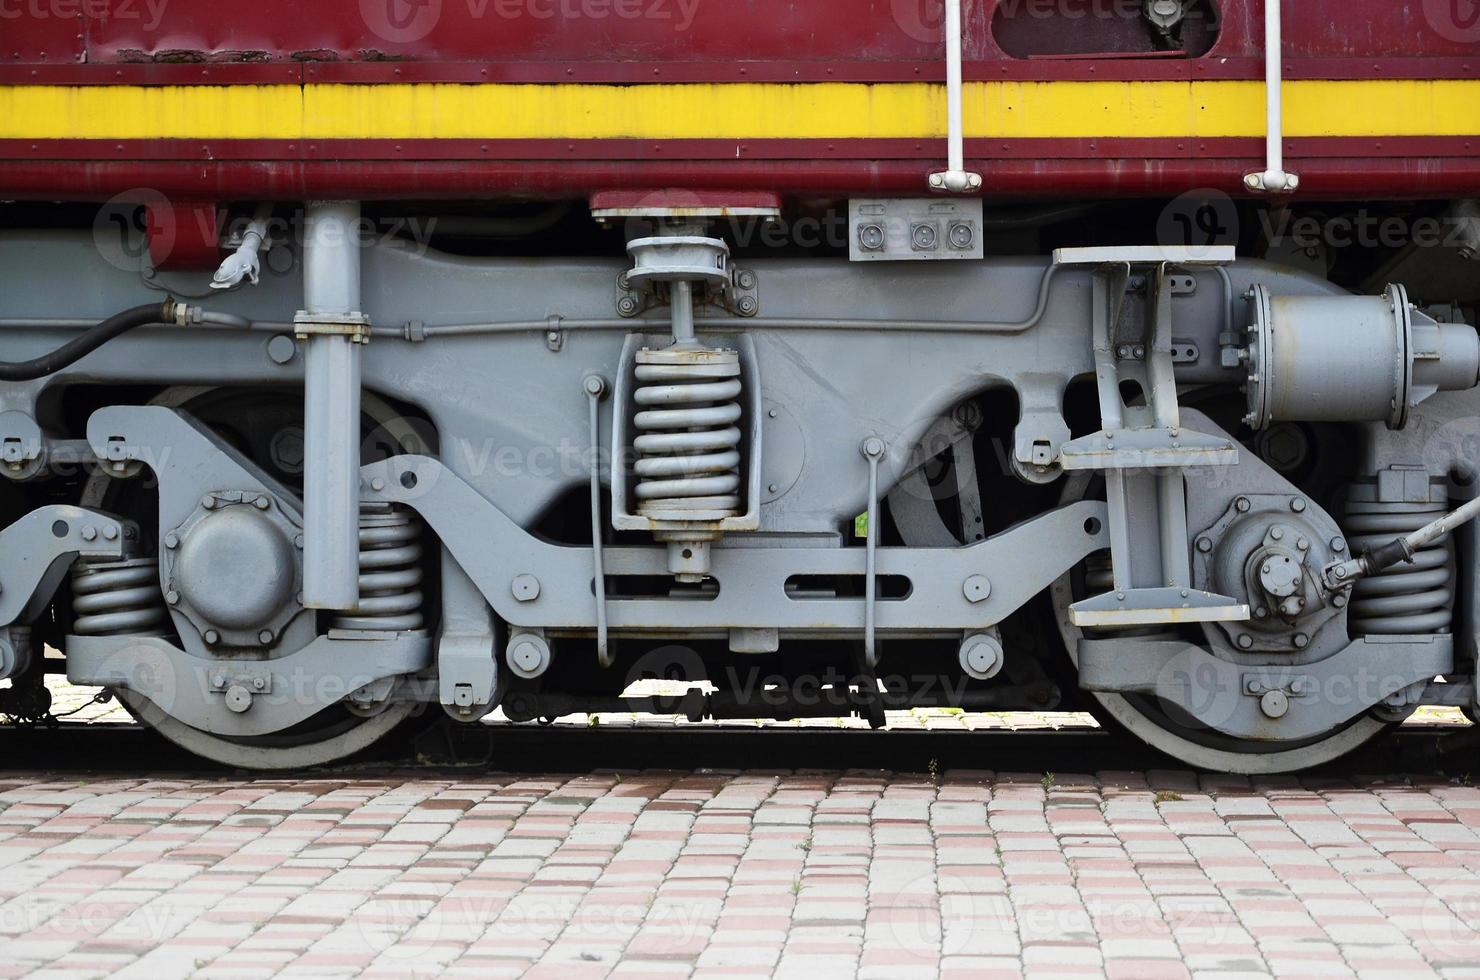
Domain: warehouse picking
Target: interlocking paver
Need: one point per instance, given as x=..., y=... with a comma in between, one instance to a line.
x=803, y=874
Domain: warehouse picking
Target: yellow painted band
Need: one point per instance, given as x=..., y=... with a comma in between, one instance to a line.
x=832, y=110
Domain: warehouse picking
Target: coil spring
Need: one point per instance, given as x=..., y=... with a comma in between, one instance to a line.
x=689, y=444
x=118, y=598
x=1406, y=598
x=390, y=572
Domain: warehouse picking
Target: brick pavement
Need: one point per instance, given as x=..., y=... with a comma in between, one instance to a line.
x=802, y=874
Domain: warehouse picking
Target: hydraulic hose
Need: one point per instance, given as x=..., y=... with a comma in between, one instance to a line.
x=90, y=340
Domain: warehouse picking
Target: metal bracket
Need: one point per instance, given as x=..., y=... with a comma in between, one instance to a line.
x=37, y=550
x=355, y=326
x=1143, y=450
x=191, y=688
x=467, y=665
x=21, y=446
x=494, y=551
x=1231, y=697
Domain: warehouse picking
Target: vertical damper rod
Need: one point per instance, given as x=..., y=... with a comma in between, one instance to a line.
x=333, y=331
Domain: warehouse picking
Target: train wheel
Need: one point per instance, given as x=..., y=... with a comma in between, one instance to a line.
x=1177, y=733
x=330, y=736
x=264, y=426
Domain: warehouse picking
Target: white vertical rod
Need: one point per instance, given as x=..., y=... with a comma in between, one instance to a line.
x=331, y=423
x=955, y=150
x=1274, y=125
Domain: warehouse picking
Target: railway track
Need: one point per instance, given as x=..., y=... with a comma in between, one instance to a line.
x=114, y=748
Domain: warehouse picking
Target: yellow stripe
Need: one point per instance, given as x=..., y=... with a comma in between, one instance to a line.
x=733, y=111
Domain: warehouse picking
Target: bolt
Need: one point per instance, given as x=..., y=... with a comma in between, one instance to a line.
x=377, y=484
x=298, y=541
x=771, y=413
x=172, y=540
x=1337, y=544
x=1205, y=544
x=1300, y=640
x=1139, y=352
x=1274, y=704
x=1123, y=351
x=1339, y=600
x=1298, y=505
x=1245, y=641
x=747, y=305
x=1253, y=686
x=627, y=306
x=1302, y=544
x=873, y=447
x=208, y=502
x=262, y=503
x=89, y=533
x=258, y=683
x=747, y=280
x=1266, y=569
x=1242, y=505
x=1277, y=533
x=526, y=588
x=1261, y=613
x=976, y=588
x=219, y=680
x=172, y=597
x=265, y=637
x=212, y=637
x=594, y=384
x=111, y=532
x=772, y=488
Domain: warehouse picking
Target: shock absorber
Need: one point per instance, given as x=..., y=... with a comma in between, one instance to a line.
x=688, y=407
x=1407, y=597
x=118, y=598
x=391, y=572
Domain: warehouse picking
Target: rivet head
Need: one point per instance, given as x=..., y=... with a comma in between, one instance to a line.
x=1245, y=641
x=172, y=540
x=172, y=597
x=262, y=503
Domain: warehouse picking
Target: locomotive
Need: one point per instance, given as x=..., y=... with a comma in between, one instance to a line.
x=370, y=359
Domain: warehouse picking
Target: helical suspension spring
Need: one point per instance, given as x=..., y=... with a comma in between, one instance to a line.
x=688, y=446
x=390, y=572
x=1406, y=598
x=118, y=598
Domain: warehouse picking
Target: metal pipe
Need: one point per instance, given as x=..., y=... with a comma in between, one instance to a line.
x=331, y=415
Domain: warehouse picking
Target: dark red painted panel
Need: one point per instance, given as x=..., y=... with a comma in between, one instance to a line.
x=648, y=31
